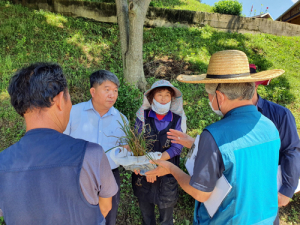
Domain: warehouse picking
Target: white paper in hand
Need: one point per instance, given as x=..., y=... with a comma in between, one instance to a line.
x=222, y=186
x=221, y=190
x=190, y=159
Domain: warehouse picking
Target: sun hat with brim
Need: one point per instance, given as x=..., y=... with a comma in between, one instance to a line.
x=164, y=83
x=229, y=66
x=176, y=103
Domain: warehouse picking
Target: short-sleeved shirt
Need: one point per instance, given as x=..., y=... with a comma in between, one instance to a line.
x=209, y=164
x=87, y=124
x=96, y=177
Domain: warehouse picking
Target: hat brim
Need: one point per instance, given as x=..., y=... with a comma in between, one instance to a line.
x=177, y=92
x=253, y=77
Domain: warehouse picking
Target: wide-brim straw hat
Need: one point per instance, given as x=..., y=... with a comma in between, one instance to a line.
x=229, y=66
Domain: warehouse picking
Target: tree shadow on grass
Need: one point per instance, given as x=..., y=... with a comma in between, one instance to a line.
x=79, y=46
x=196, y=46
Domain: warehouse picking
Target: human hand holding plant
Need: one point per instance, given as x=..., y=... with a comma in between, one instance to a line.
x=137, y=172
x=151, y=178
x=164, y=168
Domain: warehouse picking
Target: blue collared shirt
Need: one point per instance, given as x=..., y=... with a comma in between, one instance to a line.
x=289, y=153
x=86, y=123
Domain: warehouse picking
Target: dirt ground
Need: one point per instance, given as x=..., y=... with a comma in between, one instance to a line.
x=166, y=68
x=290, y=214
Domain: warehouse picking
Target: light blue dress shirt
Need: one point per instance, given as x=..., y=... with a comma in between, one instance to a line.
x=87, y=124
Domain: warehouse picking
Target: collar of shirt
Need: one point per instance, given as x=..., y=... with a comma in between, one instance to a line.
x=89, y=106
x=168, y=117
x=241, y=109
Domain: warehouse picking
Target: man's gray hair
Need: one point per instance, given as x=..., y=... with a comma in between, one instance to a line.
x=241, y=91
x=100, y=76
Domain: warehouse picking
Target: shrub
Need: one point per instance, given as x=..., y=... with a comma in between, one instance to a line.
x=129, y=100
x=231, y=7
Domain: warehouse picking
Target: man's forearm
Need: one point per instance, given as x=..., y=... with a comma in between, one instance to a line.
x=183, y=180
x=104, y=210
x=165, y=156
x=105, y=205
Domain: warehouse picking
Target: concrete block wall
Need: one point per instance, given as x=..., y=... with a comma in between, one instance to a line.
x=160, y=17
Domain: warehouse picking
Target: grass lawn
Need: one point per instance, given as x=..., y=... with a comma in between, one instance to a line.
x=193, y=5
x=83, y=46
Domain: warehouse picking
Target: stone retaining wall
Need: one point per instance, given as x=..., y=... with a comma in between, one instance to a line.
x=160, y=17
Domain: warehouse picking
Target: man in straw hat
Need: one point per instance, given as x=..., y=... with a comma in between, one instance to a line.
x=289, y=153
x=243, y=146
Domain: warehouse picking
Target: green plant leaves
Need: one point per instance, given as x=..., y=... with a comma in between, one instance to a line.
x=231, y=7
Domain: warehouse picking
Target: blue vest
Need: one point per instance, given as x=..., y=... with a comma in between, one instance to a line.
x=39, y=181
x=249, y=144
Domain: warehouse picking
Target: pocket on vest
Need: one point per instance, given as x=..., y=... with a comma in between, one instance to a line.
x=140, y=185
x=168, y=190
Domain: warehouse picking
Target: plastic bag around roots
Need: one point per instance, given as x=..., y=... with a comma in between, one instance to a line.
x=126, y=159
x=143, y=168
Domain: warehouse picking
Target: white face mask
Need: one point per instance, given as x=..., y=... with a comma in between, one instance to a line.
x=218, y=112
x=159, y=108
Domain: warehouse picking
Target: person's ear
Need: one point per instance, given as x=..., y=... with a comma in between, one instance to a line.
x=221, y=97
x=92, y=91
x=59, y=101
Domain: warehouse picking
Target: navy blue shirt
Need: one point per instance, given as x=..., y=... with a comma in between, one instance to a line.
x=289, y=153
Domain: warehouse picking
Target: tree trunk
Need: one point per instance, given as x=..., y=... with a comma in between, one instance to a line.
x=131, y=17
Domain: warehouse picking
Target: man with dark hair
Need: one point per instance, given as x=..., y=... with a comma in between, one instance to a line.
x=46, y=176
x=289, y=153
x=98, y=121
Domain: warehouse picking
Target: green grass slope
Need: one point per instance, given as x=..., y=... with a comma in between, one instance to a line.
x=193, y=5
x=83, y=46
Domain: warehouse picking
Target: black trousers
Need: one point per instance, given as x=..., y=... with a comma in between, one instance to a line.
x=112, y=215
x=163, y=193
x=147, y=209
